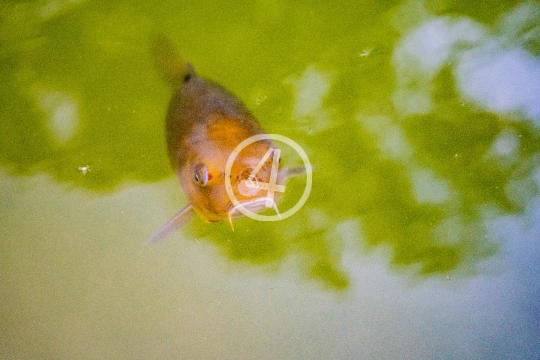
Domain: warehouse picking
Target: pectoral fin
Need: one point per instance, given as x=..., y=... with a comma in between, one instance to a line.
x=173, y=224
x=295, y=171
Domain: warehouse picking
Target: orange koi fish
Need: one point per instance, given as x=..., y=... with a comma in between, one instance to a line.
x=205, y=123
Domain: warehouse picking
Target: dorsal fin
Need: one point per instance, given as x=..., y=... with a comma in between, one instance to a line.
x=168, y=63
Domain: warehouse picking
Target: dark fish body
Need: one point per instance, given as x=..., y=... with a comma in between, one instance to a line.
x=205, y=123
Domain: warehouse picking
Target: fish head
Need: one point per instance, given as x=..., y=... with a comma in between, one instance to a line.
x=253, y=174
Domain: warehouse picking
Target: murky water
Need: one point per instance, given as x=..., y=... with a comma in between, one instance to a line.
x=419, y=238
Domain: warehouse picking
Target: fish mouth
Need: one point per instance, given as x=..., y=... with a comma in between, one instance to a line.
x=254, y=205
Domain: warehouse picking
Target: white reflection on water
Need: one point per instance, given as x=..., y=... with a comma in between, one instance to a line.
x=92, y=289
x=489, y=70
x=422, y=54
x=494, y=71
x=501, y=80
x=521, y=255
x=62, y=113
x=429, y=187
x=391, y=140
x=310, y=89
x=506, y=145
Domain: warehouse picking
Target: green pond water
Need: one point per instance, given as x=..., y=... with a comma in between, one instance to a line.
x=421, y=235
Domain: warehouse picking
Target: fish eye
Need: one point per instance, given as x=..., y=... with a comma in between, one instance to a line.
x=200, y=175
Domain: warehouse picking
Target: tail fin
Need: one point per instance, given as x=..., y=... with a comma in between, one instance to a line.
x=168, y=62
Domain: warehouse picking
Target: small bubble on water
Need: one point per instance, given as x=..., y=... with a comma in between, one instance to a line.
x=84, y=169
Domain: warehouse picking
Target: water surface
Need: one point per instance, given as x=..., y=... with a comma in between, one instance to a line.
x=420, y=236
